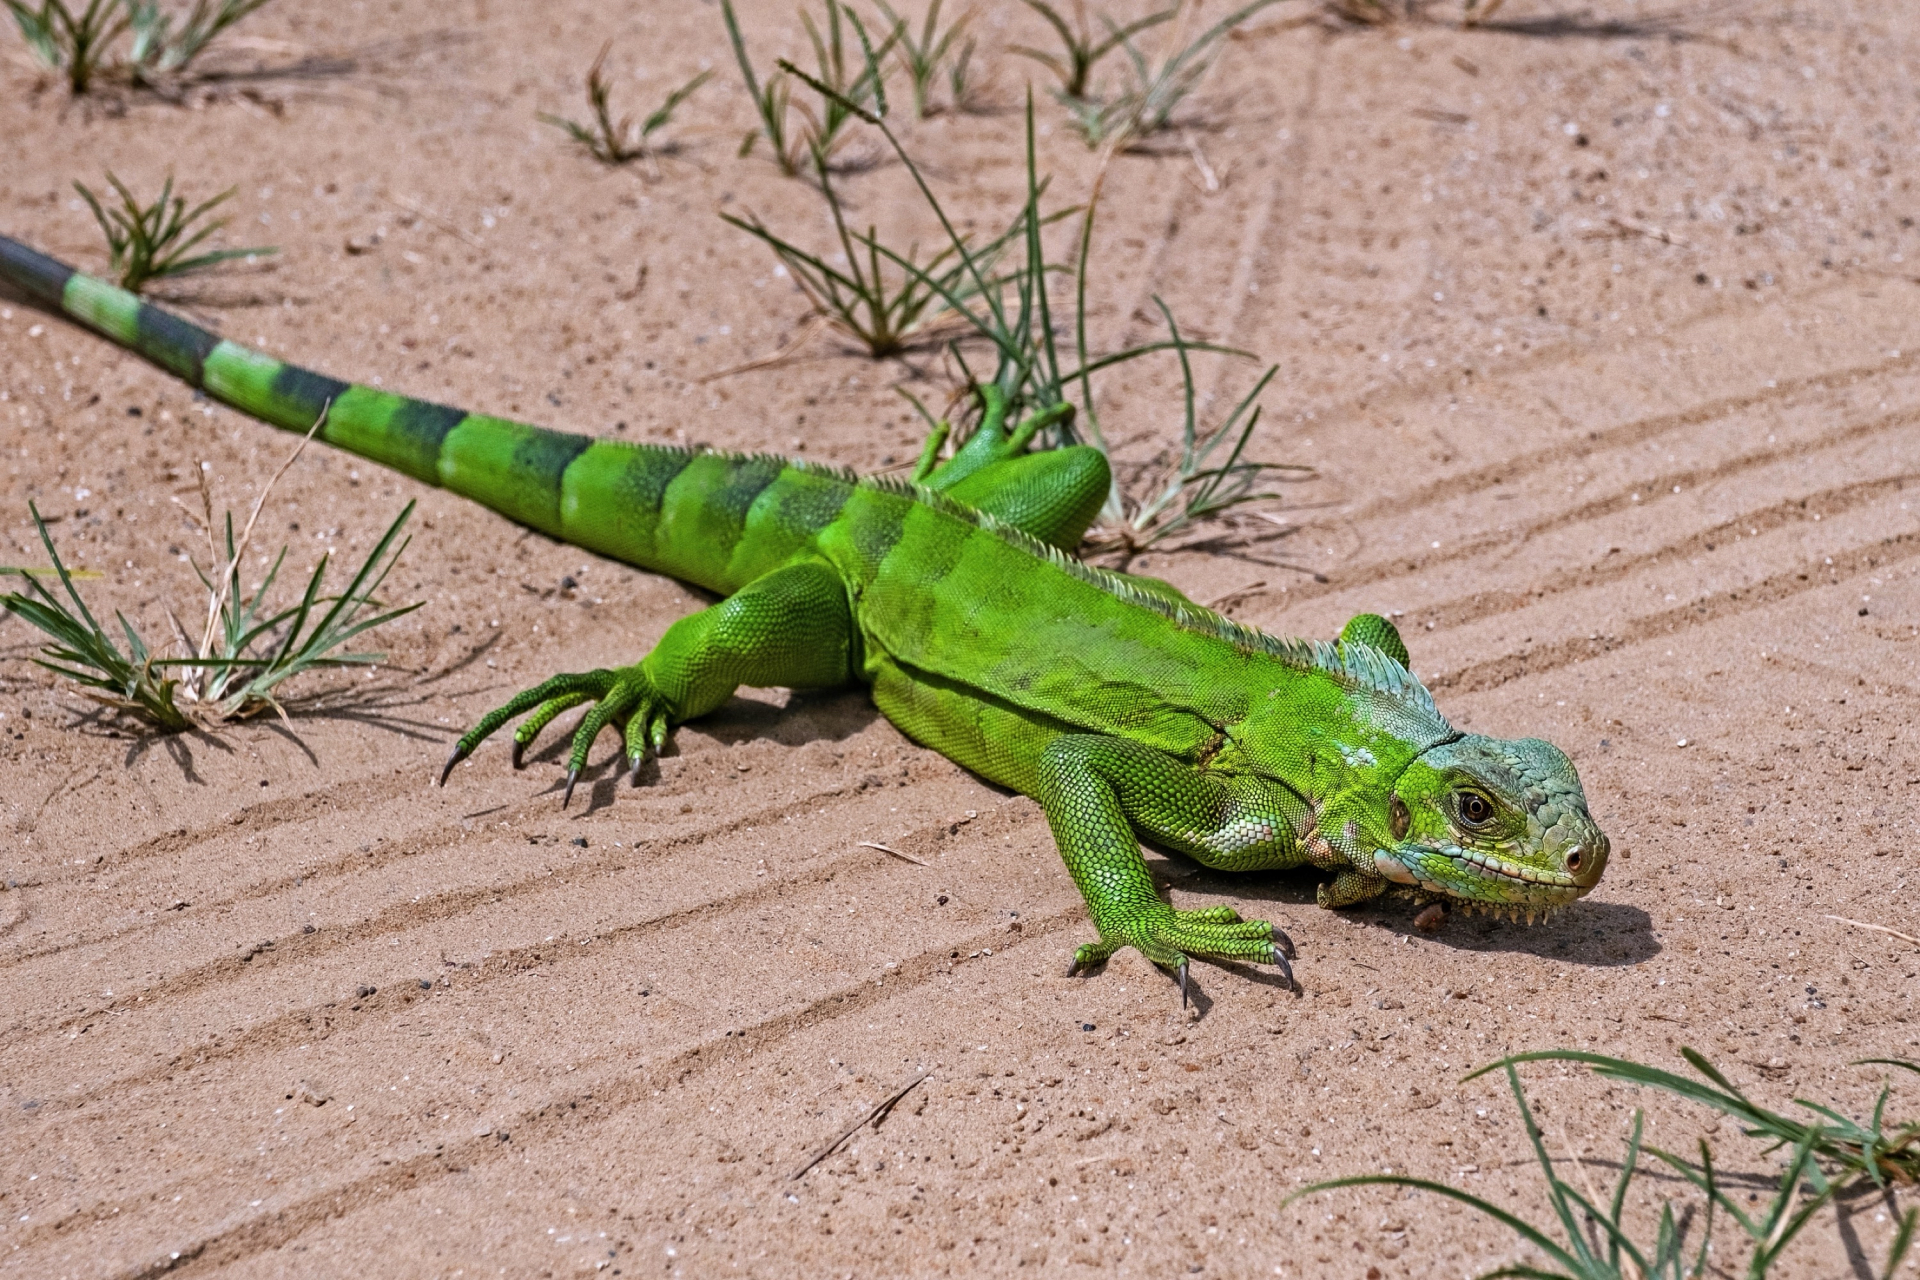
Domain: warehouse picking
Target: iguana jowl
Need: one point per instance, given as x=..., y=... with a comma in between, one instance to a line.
x=1121, y=707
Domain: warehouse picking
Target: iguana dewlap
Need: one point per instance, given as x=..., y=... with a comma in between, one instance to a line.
x=1125, y=710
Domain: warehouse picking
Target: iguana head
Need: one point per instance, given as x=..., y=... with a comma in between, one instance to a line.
x=1494, y=821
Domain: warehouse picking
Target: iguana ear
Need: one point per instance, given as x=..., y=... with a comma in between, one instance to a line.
x=1376, y=632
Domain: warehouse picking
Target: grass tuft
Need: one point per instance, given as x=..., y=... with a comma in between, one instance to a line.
x=884, y=300
x=1001, y=295
x=855, y=88
x=160, y=49
x=151, y=242
x=922, y=58
x=617, y=144
x=1080, y=50
x=1153, y=91
x=1592, y=1240
x=73, y=44
x=246, y=651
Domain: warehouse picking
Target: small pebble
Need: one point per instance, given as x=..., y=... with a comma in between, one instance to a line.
x=1086, y=1026
x=581, y=841
x=363, y=991
x=426, y=984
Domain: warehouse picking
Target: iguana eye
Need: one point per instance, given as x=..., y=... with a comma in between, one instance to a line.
x=1473, y=809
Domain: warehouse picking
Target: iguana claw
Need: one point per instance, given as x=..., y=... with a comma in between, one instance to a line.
x=454, y=757
x=573, y=776
x=634, y=776
x=1183, y=983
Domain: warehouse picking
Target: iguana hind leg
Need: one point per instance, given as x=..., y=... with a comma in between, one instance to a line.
x=790, y=627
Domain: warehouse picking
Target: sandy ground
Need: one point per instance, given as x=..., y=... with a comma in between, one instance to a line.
x=1600, y=329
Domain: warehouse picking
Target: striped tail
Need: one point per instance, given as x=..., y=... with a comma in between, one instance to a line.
x=514, y=468
x=716, y=519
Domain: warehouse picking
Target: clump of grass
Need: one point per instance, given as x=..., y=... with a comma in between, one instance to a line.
x=1080, y=49
x=883, y=306
x=923, y=58
x=164, y=43
x=1153, y=91
x=1869, y=1151
x=771, y=101
x=855, y=88
x=74, y=45
x=1001, y=294
x=859, y=86
x=161, y=49
x=246, y=651
x=1196, y=486
x=151, y=242
x=1592, y=1240
x=617, y=144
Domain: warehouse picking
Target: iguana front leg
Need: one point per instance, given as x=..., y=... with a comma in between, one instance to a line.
x=790, y=627
x=1095, y=790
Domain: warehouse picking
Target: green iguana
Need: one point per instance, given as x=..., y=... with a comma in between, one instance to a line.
x=1123, y=708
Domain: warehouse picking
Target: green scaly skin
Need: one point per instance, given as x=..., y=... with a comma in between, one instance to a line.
x=1124, y=709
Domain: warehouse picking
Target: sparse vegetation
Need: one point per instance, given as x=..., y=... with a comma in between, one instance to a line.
x=161, y=49
x=853, y=88
x=75, y=46
x=244, y=654
x=616, y=144
x=1827, y=1158
x=1003, y=297
x=150, y=242
x=1154, y=90
x=881, y=306
x=1080, y=50
x=923, y=58
x=78, y=45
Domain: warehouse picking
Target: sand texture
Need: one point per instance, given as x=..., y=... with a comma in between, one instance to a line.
x=1601, y=328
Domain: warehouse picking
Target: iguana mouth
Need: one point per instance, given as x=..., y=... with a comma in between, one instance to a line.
x=1460, y=871
x=1513, y=870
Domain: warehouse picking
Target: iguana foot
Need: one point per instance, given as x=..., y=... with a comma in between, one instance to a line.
x=624, y=695
x=1170, y=938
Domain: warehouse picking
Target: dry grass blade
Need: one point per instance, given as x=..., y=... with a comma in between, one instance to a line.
x=151, y=242
x=874, y=1116
x=904, y=857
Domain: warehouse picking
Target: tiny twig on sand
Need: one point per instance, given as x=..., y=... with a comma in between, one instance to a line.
x=874, y=1117
x=1878, y=928
x=426, y=215
x=811, y=329
x=904, y=857
x=1619, y=228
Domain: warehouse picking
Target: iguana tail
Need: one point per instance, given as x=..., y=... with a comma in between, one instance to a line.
x=669, y=509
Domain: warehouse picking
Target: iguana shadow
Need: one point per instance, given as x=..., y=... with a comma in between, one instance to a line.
x=1594, y=934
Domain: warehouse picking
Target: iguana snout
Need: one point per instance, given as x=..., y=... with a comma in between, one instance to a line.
x=1494, y=821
